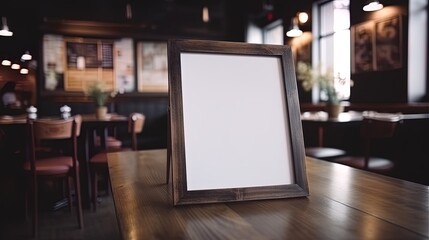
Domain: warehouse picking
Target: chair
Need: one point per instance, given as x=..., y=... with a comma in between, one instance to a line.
x=325, y=153
x=320, y=151
x=111, y=141
x=98, y=163
x=374, y=126
x=61, y=166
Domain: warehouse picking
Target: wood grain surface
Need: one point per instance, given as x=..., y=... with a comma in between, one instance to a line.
x=344, y=203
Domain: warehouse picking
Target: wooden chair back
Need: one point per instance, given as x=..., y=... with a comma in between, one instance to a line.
x=47, y=129
x=62, y=135
x=41, y=130
x=135, y=126
x=376, y=128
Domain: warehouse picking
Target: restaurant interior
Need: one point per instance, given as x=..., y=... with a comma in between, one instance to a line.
x=376, y=61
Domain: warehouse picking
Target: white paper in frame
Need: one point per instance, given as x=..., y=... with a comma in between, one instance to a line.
x=235, y=123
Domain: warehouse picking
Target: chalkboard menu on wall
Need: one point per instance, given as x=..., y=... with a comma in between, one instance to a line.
x=86, y=55
x=107, y=55
x=71, y=64
x=87, y=61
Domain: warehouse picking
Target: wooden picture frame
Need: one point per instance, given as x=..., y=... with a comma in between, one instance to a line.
x=235, y=127
x=388, y=43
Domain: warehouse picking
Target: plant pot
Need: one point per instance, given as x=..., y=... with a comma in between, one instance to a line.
x=101, y=112
x=334, y=110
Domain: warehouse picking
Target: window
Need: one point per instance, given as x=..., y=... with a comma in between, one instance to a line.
x=273, y=33
x=269, y=34
x=331, y=28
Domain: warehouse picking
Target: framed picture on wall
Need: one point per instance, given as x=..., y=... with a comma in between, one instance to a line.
x=388, y=43
x=124, y=65
x=53, y=62
x=363, y=47
x=152, y=68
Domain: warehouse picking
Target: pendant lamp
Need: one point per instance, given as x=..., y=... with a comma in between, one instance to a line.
x=294, y=29
x=5, y=29
x=372, y=5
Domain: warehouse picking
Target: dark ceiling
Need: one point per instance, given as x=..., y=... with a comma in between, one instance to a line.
x=24, y=17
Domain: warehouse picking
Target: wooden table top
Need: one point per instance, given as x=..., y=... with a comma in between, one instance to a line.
x=353, y=116
x=86, y=118
x=13, y=120
x=112, y=117
x=322, y=116
x=344, y=203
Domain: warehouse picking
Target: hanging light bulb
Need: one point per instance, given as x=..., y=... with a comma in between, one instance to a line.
x=5, y=29
x=128, y=11
x=6, y=62
x=294, y=30
x=302, y=17
x=206, y=17
x=373, y=5
x=15, y=66
x=26, y=56
x=23, y=71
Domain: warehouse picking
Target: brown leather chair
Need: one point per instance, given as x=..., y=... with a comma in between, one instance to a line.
x=374, y=126
x=98, y=163
x=62, y=165
x=111, y=141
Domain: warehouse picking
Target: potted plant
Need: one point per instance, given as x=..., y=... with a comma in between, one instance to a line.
x=325, y=82
x=97, y=90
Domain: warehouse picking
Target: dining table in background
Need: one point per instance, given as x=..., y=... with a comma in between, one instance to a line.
x=89, y=123
x=322, y=121
x=344, y=203
x=101, y=126
x=12, y=134
x=12, y=120
x=12, y=129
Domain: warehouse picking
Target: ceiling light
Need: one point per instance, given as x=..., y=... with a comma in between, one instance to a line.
x=15, y=66
x=26, y=56
x=5, y=29
x=6, y=63
x=206, y=17
x=128, y=11
x=373, y=6
x=23, y=71
x=302, y=17
x=294, y=30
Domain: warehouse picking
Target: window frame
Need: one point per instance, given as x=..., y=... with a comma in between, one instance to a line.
x=341, y=82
